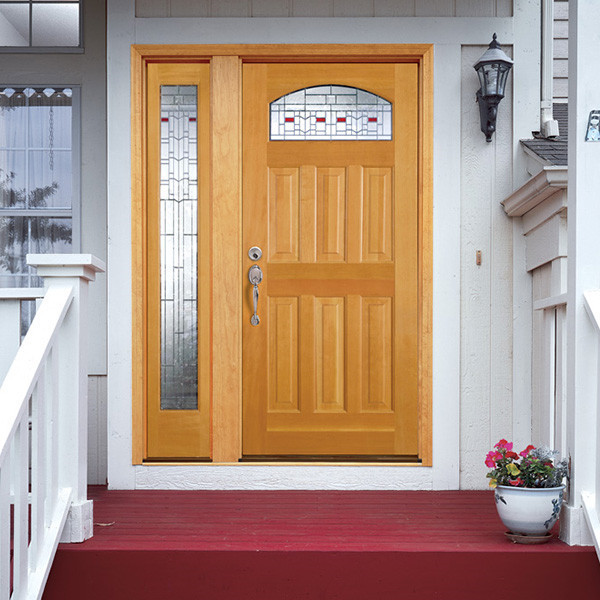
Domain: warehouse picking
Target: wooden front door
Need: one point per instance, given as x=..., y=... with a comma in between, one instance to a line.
x=331, y=370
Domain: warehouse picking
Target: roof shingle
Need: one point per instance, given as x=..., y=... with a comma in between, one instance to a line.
x=553, y=150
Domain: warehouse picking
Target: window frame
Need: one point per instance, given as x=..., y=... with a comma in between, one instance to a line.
x=79, y=49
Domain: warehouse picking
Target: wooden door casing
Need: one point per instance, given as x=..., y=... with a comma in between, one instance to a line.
x=332, y=369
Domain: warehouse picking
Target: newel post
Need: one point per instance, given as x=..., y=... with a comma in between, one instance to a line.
x=70, y=353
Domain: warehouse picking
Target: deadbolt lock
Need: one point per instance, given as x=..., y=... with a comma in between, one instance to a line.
x=255, y=253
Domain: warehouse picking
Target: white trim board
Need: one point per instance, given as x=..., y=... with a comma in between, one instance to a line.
x=344, y=30
x=282, y=477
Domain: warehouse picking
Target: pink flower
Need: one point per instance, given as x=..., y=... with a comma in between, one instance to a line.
x=491, y=458
x=516, y=482
x=527, y=450
x=508, y=446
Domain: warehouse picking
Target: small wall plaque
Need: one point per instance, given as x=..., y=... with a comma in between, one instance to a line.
x=593, y=127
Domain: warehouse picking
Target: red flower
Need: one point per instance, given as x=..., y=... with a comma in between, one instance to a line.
x=491, y=458
x=516, y=482
x=527, y=450
x=513, y=455
x=504, y=444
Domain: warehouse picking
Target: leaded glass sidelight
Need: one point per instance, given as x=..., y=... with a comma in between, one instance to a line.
x=331, y=112
x=179, y=247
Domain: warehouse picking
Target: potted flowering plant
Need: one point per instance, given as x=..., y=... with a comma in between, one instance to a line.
x=528, y=488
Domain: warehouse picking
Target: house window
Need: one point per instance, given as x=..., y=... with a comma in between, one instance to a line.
x=38, y=178
x=331, y=112
x=39, y=24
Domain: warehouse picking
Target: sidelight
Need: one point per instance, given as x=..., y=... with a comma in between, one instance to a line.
x=179, y=247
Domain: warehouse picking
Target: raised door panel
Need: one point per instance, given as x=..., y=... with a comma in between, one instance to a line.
x=283, y=355
x=283, y=215
x=377, y=353
x=377, y=211
x=329, y=354
x=331, y=215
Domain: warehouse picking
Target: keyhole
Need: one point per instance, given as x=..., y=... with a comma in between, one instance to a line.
x=255, y=253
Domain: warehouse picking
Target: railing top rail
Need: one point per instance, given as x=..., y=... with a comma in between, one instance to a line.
x=21, y=293
x=24, y=371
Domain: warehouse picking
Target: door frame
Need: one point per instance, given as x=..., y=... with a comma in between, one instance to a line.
x=226, y=224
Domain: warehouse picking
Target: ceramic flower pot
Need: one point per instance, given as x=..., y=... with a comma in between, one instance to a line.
x=529, y=511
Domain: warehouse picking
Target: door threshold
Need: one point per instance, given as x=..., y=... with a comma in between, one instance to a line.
x=332, y=458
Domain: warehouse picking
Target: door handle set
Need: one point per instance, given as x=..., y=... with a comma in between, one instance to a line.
x=255, y=276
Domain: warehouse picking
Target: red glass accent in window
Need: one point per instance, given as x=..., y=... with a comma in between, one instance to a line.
x=165, y=119
x=192, y=119
x=289, y=119
x=320, y=119
x=372, y=119
x=341, y=119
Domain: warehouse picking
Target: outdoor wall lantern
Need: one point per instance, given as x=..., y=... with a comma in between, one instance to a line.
x=493, y=68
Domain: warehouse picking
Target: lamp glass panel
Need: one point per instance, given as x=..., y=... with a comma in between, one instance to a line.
x=504, y=71
x=491, y=77
x=481, y=75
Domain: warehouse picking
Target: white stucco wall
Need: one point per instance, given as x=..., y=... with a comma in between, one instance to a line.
x=478, y=394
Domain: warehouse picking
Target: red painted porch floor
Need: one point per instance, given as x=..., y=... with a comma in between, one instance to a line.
x=311, y=544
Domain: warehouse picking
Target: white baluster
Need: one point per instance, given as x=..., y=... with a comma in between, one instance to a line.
x=20, y=453
x=38, y=471
x=5, y=567
x=51, y=431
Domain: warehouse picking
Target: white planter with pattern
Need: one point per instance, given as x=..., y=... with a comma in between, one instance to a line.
x=529, y=511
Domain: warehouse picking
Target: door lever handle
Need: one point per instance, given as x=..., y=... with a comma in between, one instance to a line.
x=255, y=276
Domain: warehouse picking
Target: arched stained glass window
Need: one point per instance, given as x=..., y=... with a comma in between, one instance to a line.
x=331, y=112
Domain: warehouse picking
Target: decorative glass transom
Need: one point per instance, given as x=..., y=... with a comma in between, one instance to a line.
x=331, y=112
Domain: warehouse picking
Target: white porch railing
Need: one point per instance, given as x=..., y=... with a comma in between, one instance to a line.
x=43, y=426
x=591, y=500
